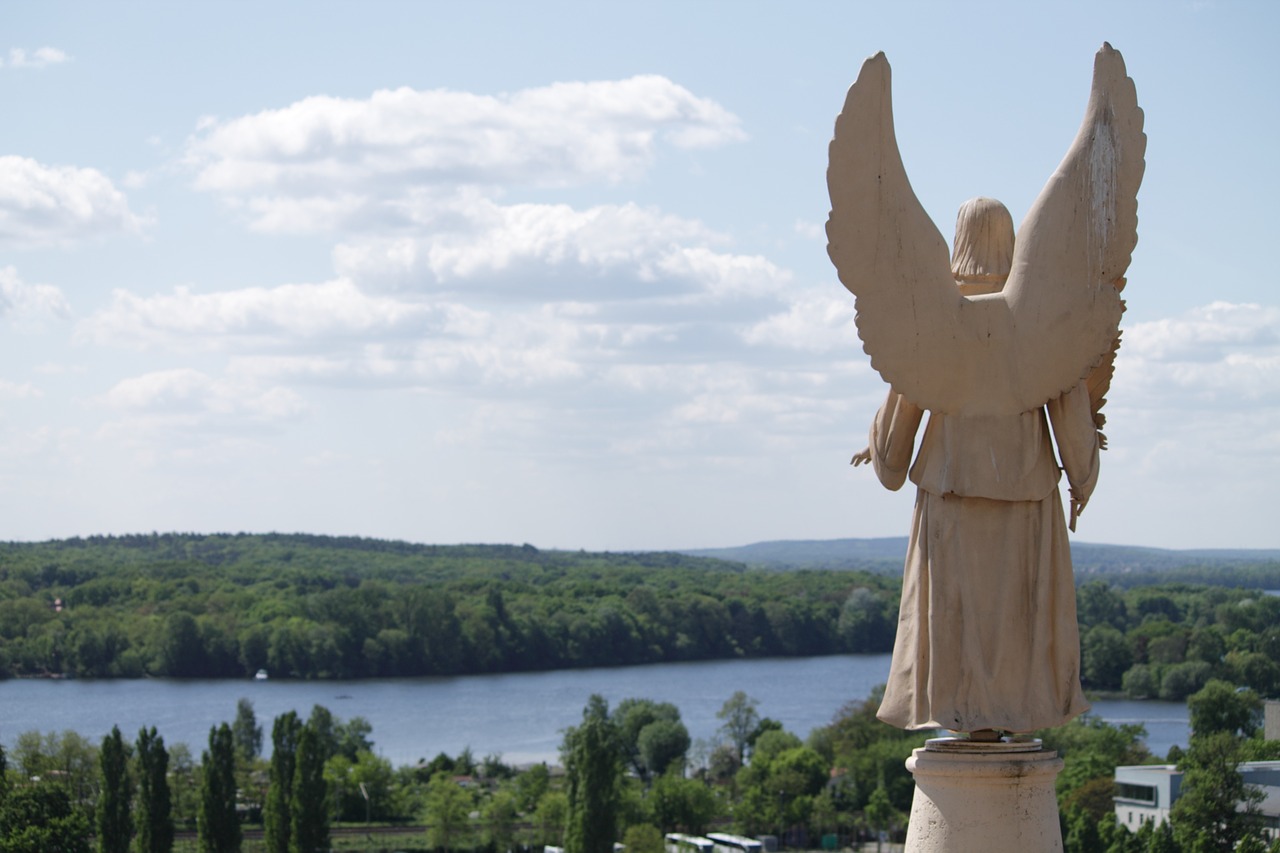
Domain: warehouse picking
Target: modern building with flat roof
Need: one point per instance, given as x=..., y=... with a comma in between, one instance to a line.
x=1145, y=793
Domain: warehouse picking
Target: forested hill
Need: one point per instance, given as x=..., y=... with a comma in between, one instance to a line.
x=320, y=607
x=1122, y=565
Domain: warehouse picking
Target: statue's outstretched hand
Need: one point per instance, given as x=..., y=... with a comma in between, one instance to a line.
x=1077, y=508
x=862, y=457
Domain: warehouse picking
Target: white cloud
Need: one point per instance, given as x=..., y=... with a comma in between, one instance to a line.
x=191, y=396
x=39, y=58
x=1224, y=353
x=53, y=205
x=289, y=315
x=542, y=251
x=324, y=163
x=18, y=297
x=555, y=135
x=821, y=320
x=809, y=230
x=17, y=390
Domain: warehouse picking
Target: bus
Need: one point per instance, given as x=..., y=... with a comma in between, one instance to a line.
x=734, y=843
x=678, y=842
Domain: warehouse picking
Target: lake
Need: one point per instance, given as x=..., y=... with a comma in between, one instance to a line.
x=518, y=716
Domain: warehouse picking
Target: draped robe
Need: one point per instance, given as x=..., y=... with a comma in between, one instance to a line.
x=987, y=635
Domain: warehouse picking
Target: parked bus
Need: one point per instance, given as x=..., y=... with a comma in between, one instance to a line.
x=678, y=842
x=734, y=843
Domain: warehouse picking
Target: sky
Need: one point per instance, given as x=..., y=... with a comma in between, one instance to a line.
x=555, y=273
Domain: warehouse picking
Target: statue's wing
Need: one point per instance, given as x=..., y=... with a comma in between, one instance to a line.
x=1074, y=246
x=888, y=252
x=1058, y=316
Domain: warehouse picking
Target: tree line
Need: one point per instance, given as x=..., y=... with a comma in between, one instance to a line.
x=1169, y=641
x=311, y=607
x=628, y=773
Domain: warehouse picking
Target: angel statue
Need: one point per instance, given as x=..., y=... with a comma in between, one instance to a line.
x=1002, y=342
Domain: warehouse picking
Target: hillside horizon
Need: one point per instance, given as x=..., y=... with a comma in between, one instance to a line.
x=878, y=554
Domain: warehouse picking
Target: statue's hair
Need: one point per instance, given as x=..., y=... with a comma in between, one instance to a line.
x=983, y=249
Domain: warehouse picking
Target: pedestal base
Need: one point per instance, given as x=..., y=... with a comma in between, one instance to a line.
x=994, y=797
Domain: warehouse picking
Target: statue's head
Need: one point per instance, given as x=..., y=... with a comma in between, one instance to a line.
x=983, y=252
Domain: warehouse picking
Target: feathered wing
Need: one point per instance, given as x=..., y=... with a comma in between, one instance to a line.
x=1058, y=316
x=1074, y=246
x=887, y=251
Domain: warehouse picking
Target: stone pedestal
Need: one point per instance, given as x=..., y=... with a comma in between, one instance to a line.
x=995, y=797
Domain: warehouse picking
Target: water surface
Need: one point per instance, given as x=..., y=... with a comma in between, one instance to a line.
x=518, y=716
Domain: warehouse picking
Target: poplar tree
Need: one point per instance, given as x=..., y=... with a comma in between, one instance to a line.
x=218, y=825
x=4, y=775
x=593, y=766
x=246, y=731
x=309, y=802
x=114, y=820
x=155, y=806
x=284, y=748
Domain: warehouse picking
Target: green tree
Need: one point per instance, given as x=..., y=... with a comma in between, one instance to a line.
x=1091, y=748
x=448, y=807
x=1215, y=809
x=531, y=785
x=184, y=786
x=181, y=651
x=643, y=838
x=325, y=727
x=593, y=768
x=218, y=825
x=39, y=818
x=284, y=752
x=360, y=788
x=1220, y=707
x=68, y=756
x=778, y=787
x=740, y=716
x=501, y=815
x=880, y=813
x=1140, y=681
x=1182, y=679
x=155, y=817
x=632, y=718
x=663, y=745
x=1097, y=603
x=687, y=805
x=550, y=818
x=246, y=731
x=1104, y=657
x=864, y=626
x=309, y=799
x=114, y=819
x=1163, y=840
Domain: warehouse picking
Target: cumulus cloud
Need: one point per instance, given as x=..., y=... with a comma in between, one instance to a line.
x=816, y=321
x=544, y=251
x=555, y=135
x=442, y=287
x=41, y=57
x=288, y=315
x=19, y=298
x=53, y=205
x=325, y=161
x=1224, y=353
x=191, y=396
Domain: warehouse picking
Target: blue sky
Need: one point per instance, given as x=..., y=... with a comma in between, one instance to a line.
x=555, y=273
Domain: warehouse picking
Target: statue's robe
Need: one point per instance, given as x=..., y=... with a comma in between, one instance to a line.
x=987, y=634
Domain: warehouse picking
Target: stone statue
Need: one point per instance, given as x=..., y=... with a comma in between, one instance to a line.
x=998, y=344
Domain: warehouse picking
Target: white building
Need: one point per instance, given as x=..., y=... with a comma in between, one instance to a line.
x=1146, y=793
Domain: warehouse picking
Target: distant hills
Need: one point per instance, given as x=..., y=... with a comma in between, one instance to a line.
x=1126, y=565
